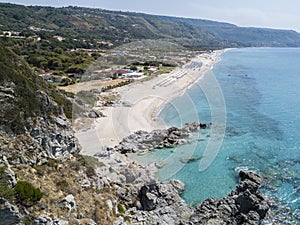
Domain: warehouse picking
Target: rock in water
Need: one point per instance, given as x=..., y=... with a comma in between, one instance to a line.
x=245, y=205
x=142, y=141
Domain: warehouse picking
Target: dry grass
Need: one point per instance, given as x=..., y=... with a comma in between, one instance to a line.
x=57, y=180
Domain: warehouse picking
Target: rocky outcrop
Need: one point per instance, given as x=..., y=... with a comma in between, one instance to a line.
x=69, y=203
x=42, y=140
x=142, y=141
x=9, y=213
x=245, y=205
x=160, y=203
x=57, y=138
x=47, y=220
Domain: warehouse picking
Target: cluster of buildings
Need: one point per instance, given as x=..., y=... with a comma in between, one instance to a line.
x=108, y=73
x=124, y=73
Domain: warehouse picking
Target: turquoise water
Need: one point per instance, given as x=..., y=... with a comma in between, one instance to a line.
x=261, y=89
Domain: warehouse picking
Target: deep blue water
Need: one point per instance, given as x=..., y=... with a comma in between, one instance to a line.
x=261, y=90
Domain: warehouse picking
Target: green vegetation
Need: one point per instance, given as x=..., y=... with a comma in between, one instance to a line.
x=27, y=194
x=23, y=193
x=164, y=69
x=63, y=185
x=90, y=171
x=25, y=92
x=100, y=29
x=109, y=87
x=63, y=102
x=121, y=208
x=43, y=55
x=92, y=161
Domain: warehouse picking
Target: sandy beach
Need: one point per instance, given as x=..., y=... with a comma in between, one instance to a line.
x=142, y=102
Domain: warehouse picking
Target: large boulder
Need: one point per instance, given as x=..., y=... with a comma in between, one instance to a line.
x=148, y=196
x=69, y=203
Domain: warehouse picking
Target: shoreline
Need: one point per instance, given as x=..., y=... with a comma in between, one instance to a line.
x=144, y=101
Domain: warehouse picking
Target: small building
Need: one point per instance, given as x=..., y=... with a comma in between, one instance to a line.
x=119, y=73
x=134, y=75
x=153, y=68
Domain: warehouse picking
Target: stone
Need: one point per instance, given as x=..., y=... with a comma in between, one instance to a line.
x=9, y=213
x=85, y=183
x=148, y=195
x=61, y=121
x=47, y=220
x=69, y=202
x=178, y=185
x=247, y=184
x=94, y=114
x=142, y=141
x=250, y=176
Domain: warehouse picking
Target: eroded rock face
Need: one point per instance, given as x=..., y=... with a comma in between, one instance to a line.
x=43, y=139
x=148, y=196
x=245, y=205
x=9, y=213
x=47, y=220
x=57, y=138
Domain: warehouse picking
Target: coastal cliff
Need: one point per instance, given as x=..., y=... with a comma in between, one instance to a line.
x=43, y=179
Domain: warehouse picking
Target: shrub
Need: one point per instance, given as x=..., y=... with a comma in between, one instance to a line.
x=90, y=171
x=121, y=208
x=27, y=194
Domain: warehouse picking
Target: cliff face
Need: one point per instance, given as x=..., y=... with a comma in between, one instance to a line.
x=33, y=130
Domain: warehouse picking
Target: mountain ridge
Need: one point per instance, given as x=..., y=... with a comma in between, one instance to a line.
x=120, y=27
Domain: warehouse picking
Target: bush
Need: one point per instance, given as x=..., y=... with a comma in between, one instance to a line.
x=27, y=194
x=90, y=171
x=121, y=208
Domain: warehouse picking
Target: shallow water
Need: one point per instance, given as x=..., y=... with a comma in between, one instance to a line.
x=261, y=89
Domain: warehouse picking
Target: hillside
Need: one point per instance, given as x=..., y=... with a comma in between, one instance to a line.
x=100, y=25
x=96, y=28
x=248, y=36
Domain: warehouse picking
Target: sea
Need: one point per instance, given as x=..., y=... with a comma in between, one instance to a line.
x=252, y=98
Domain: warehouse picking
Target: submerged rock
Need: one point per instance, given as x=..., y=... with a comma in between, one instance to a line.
x=191, y=159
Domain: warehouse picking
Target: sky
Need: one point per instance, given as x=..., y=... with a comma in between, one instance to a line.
x=279, y=14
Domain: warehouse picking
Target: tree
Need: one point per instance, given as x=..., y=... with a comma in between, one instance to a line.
x=133, y=68
x=58, y=50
